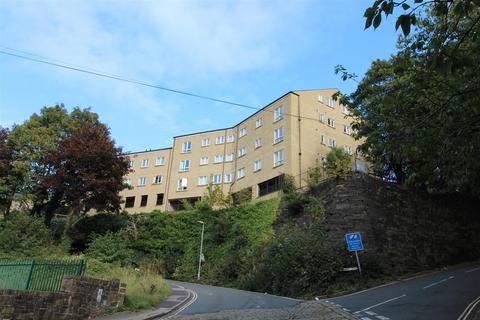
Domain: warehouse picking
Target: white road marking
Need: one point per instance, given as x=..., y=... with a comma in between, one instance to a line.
x=383, y=318
x=472, y=270
x=370, y=313
x=383, y=302
x=469, y=309
x=194, y=294
x=438, y=282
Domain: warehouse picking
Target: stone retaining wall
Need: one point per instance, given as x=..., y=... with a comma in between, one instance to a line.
x=80, y=298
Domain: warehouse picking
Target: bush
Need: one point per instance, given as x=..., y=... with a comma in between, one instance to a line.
x=297, y=262
x=98, y=224
x=111, y=247
x=145, y=289
x=22, y=235
x=338, y=163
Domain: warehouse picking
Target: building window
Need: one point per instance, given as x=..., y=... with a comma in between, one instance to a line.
x=322, y=139
x=159, y=199
x=320, y=98
x=205, y=142
x=202, y=181
x=220, y=140
x=330, y=102
x=229, y=157
x=243, y=132
x=345, y=110
x=218, y=158
x=160, y=161
x=228, y=178
x=348, y=149
x=203, y=161
x=185, y=165
x=182, y=184
x=258, y=123
x=144, y=163
x=129, y=202
x=278, y=114
x=346, y=129
x=331, y=122
x=158, y=179
x=270, y=186
x=278, y=135
x=332, y=143
x=278, y=158
x=242, y=151
x=322, y=117
x=142, y=181
x=131, y=164
x=240, y=173
x=144, y=200
x=231, y=138
x=186, y=147
x=257, y=165
x=217, y=179
x=127, y=182
x=258, y=143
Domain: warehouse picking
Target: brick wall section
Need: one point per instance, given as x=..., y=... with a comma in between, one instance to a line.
x=401, y=227
x=80, y=298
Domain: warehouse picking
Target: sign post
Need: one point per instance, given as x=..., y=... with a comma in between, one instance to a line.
x=354, y=243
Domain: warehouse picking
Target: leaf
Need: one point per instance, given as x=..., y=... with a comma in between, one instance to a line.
x=377, y=20
x=405, y=6
x=368, y=22
x=406, y=25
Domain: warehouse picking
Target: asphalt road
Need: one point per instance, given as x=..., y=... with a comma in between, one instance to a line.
x=440, y=296
x=213, y=299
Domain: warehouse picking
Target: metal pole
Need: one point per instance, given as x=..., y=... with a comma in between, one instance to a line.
x=201, y=249
x=358, y=262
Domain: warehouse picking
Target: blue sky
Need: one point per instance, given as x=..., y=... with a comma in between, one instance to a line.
x=250, y=52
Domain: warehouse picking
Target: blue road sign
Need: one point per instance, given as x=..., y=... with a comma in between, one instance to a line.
x=354, y=241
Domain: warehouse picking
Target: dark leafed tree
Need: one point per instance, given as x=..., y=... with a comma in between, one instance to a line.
x=8, y=176
x=85, y=172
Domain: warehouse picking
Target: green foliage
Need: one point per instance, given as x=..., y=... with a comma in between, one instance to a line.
x=338, y=163
x=145, y=289
x=111, y=247
x=297, y=262
x=243, y=196
x=22, y=235
x=414, y=110
x=215, y=198
x=80, y=232
x=315, y=176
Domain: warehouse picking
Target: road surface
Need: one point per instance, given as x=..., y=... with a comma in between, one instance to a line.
x=440, y=296
x=210, y=299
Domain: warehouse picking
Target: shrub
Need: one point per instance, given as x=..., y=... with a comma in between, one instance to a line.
x=99, y=224
x=315, y=176
x=297, y=262
x=338, y=163
x=111, y=247
x=241, y=197
x=145, y=289
x=23, y=235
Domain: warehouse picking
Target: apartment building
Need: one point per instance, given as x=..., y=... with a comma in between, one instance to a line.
x=288, y=136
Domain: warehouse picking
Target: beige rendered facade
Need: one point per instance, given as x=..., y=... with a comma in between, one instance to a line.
x=288, y=136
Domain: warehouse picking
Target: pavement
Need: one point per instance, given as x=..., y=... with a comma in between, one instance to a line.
x=443, y=295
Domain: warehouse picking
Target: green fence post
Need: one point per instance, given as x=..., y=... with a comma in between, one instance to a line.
x=30, y=275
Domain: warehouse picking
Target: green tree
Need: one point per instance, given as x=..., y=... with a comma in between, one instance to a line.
x=32, y=141
x=417, y=113
x=338, y=163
